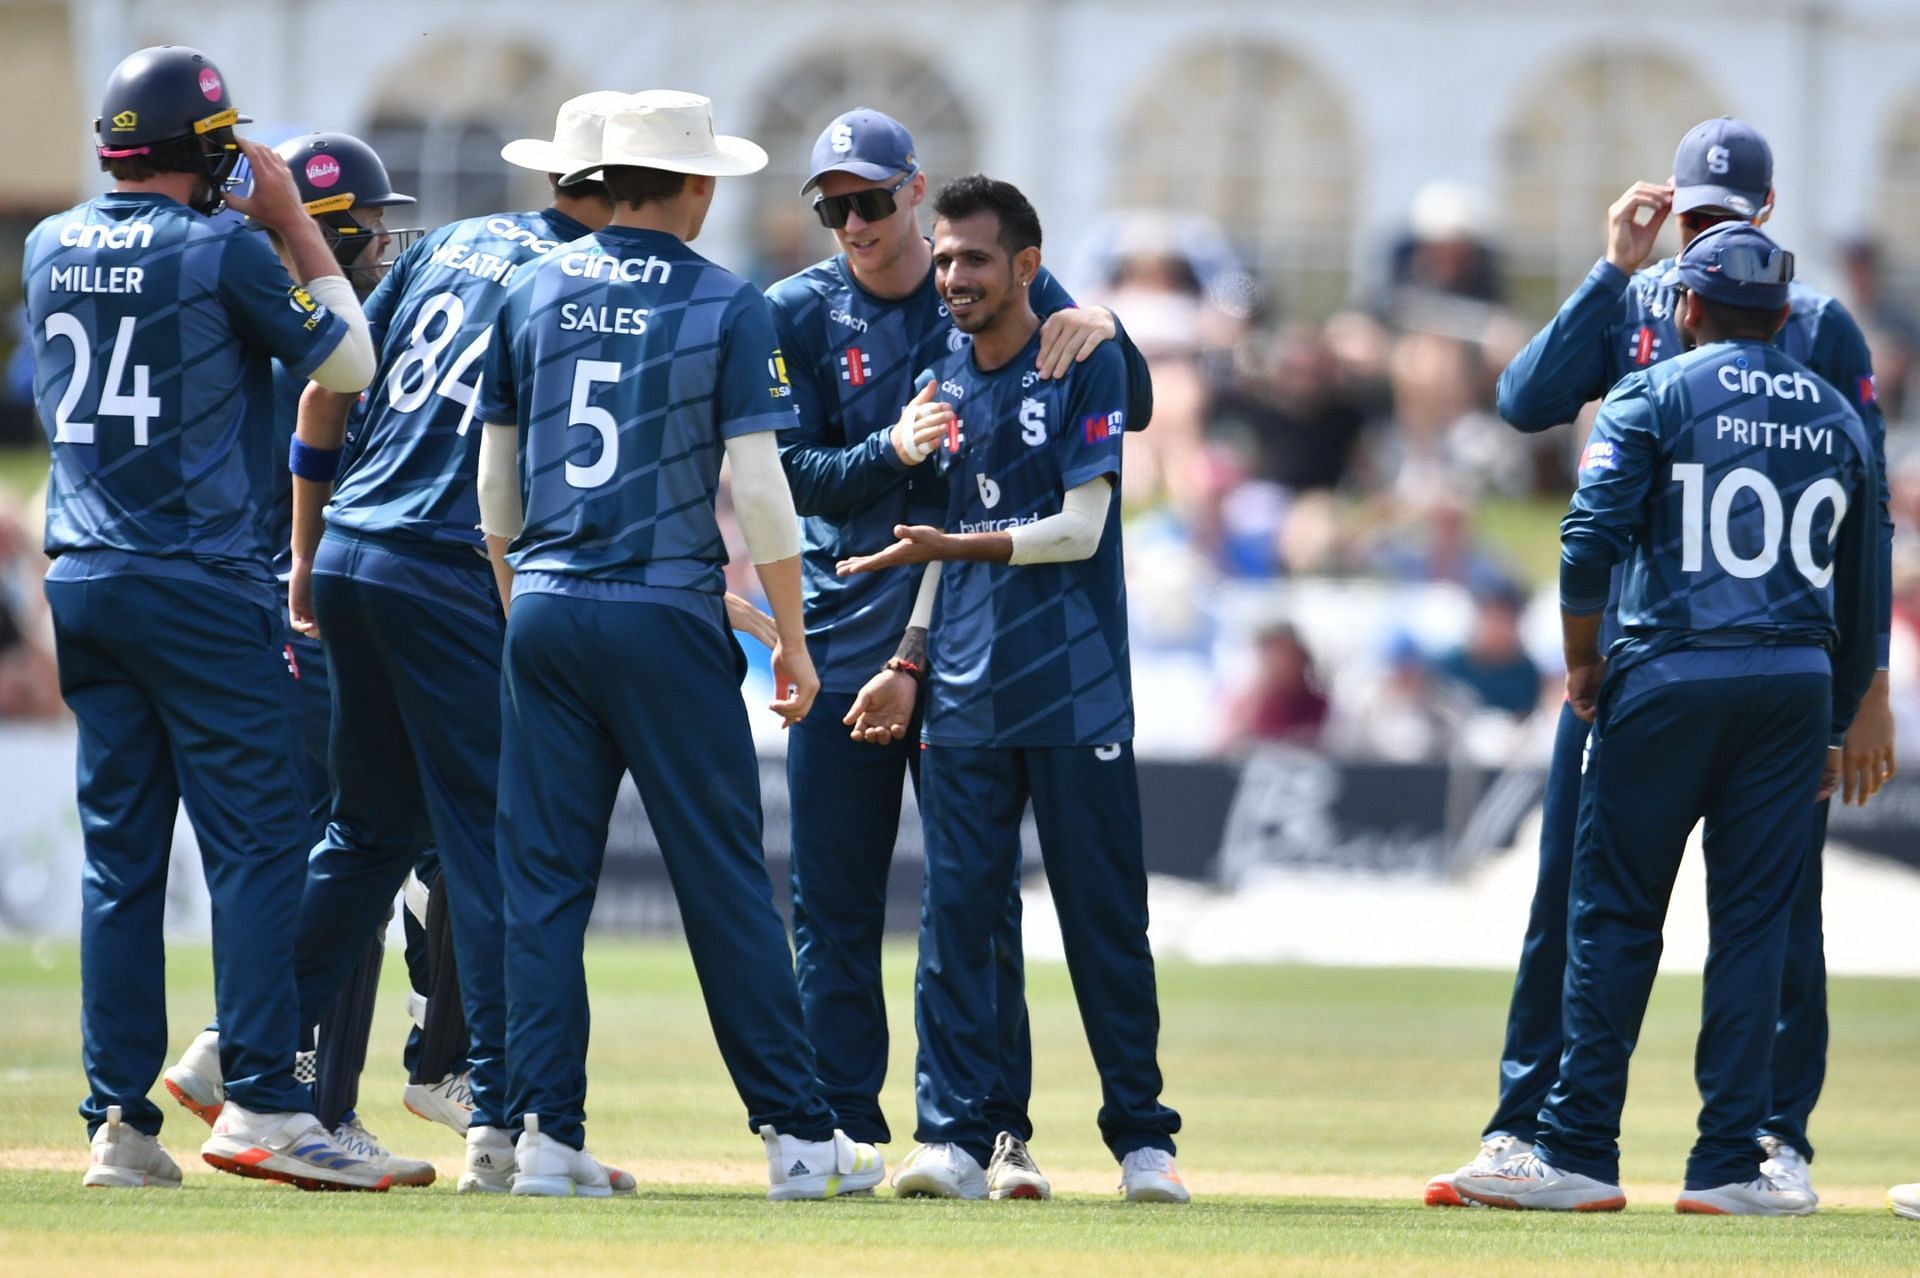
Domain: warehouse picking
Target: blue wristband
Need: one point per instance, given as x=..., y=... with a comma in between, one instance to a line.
x=317, y=464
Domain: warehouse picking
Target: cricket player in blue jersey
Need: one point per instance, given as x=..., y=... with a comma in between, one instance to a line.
x=344, y=187
x=400, y=591
x=1739, y=488
x=154, y=329
x=1029, y=698
x=856, y=329
x=623, y=369
x=1616, y=323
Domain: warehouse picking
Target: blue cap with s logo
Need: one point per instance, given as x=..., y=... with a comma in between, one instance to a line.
x=1722, y=164
x=865, y=143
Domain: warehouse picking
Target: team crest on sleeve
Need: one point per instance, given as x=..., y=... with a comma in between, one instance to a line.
x=1097, y=428
x=1867, y=394
x=777, y=373
x=1598, y=456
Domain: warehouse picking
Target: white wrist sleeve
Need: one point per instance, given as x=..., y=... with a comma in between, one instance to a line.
x=501, y=514
x=1071, y=535
x=762, y=499
x=349, y=366
x=923, y=602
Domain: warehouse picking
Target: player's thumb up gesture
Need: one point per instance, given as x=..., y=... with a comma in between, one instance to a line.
x=795, y=684
x=922, y=426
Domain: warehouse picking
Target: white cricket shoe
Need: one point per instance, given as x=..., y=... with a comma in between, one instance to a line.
x=490, y=1162
x=940, y=1170
x=1149, y=1176
x=833, y=1168
x=124, y=1158
x=449, y=1101
x=545, y=1168
x=1787, y=1168
x=194, y=1079
x=352, y=1136
x=1758, y=1197
x=1012, y=1173
x=292, y=1148
x=1904, y=1201
x=1527, y=1183
x=1496, y=1151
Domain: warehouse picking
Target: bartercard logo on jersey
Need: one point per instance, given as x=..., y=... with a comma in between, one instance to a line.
x=1097, y=429
x=853, y=322
x=855, y=367
x=1598, y=456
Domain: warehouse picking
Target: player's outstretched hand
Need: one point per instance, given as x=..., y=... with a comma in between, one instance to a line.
x=924, y=426
x=1867, y=759
x=881, y=712
x=1071, y=335
x=917, y=544
x=749, y=620
x=300, y=599
x=1583, y=688
x=795, y=684
x=1829, y=776
x=1630, y=240
x=274, y=201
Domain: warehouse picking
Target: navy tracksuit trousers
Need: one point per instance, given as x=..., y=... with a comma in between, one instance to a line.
x=1734, y=737
x=846, y=819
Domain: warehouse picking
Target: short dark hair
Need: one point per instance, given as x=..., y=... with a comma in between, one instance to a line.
x=584, y=189
x=1747, y=323
x=633, y=185
x=977, y=193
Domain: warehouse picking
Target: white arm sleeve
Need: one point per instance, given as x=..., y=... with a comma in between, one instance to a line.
x=923, y=602
x=348, y=367
x=1072, y=534
x=501, y=514
x=762, y=499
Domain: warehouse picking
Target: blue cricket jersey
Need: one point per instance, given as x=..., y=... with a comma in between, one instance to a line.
x=1738, y=486
x=853, y=358
x=413, y=451
x=277, y=511
x=154, y=330
x=1036, y=654
x=1615, y=324
x=628, y=359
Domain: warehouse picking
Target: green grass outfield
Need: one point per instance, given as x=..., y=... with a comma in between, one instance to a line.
x=1317, y=1101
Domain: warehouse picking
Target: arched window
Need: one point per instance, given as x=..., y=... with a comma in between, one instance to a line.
x=1251, y=136
x=1579, y=135
x=439, y=128
x=813, y=90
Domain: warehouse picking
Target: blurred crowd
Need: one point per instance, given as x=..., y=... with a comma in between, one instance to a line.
x=1360, y=454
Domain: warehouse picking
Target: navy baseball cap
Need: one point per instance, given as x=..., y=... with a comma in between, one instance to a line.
x=865, y=143
x=1736, y=264
x=1722, y=164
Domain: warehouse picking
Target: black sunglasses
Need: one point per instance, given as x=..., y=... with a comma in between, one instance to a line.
x=871, y=204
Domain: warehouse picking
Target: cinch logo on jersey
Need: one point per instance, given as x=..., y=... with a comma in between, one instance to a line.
x=953, y=388
x=1818, y=439
x=855, y=367
x=112, y=235
x=853, y=322
x=508, y=229
x=1598, y=456
x=1758, y=381
x=1097, y=429
x=596, y=265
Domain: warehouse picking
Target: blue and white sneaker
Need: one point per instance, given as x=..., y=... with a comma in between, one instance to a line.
x=292, y=1148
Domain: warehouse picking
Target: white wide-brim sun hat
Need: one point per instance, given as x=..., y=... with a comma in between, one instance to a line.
x=671, y=130
x=577, y=131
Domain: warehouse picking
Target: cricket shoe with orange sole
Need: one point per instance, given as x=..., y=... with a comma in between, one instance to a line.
x=291, y=1148
x=194, y=1080
x=1758, y=1197
x=1012, y=1173
x=1529, y=1183
x=1496, y=1151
